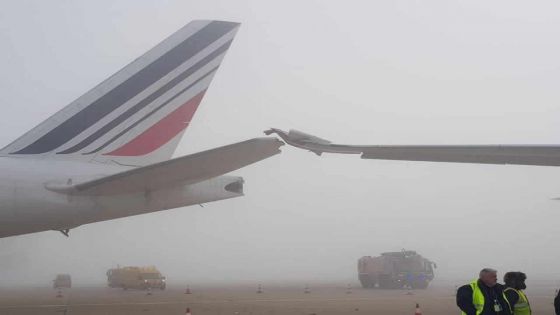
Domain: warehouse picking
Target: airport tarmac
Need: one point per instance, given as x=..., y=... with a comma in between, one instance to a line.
x=323, y=299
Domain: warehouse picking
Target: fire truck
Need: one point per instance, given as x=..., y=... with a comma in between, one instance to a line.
x=393, y=270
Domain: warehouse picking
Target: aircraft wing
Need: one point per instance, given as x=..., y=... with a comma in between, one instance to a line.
x=485, y=154
x=544, y=155
x=183, y=170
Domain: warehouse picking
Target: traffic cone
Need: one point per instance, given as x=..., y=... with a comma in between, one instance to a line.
x=259, y=289
x=59, y=293
x=149, y=291
x=188, y=290
x=349, y=289
x=306, y=290
x=418, y=311
x=188, y=311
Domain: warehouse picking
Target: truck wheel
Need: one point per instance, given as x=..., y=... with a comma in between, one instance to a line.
x=366, y=281
x=388, y=283
x=420, y=284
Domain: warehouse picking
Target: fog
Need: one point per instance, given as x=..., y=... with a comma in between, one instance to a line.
x=363, y=72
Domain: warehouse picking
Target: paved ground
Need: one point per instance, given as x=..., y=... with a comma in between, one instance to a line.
x=242, y=300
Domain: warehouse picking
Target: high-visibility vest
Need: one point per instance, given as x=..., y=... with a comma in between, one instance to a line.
x=522, y=306
x=477, y=298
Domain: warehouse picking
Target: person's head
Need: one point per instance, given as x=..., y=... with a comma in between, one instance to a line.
x=516, y=280
x=488, y=276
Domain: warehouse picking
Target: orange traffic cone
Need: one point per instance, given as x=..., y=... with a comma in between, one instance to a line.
x=188, y=290
x=188, y=311
x=59, y=293
x=418, y=311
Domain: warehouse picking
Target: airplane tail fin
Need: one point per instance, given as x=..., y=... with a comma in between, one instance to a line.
x=138, y=115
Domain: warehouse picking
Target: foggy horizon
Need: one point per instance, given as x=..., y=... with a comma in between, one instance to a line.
x=368, y=73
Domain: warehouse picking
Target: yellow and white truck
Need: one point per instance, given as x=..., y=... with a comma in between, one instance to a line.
x=140, y=278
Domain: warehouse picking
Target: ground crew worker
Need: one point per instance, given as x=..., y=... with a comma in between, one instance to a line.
x=515, y=284
x=484, y=296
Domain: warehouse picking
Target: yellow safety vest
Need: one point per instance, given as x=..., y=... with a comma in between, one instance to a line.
x=477, y=298
x=522, y=306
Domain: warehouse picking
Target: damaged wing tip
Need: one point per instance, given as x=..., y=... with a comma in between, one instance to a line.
x=278, y=141
x=280, y=144
x=270, y=131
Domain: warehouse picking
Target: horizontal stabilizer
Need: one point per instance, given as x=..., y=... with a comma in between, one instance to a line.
x=185, y=170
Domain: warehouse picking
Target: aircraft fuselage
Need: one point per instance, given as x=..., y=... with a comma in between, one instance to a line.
x=28, y=206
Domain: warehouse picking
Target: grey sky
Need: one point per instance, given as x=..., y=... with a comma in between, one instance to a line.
x=366, y=72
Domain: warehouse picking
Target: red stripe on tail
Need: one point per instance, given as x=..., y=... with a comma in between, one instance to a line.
x=161, y=132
